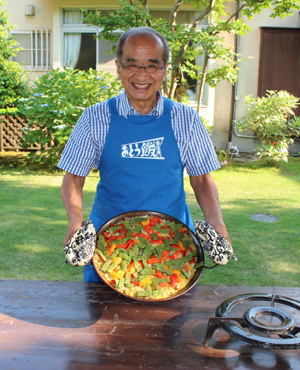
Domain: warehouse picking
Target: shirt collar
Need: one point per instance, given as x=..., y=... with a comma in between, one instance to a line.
x=125, y=109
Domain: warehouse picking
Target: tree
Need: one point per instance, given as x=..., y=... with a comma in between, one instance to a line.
x=57, y=101
x=189, y=40
x=13, y=80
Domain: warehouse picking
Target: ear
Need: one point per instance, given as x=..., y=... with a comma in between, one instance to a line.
x=118, y=67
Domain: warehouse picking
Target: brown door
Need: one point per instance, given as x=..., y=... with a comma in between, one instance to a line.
x=280, y=61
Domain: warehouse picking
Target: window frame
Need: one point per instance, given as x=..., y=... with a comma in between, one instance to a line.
x=34, y=59
x=86, y=28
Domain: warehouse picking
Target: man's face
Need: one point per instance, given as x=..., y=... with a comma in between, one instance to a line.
x=142, y=87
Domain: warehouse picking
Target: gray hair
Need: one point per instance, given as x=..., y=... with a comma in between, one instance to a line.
x=142, y=31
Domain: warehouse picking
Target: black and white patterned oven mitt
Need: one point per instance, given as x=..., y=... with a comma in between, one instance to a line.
x=214, y=244
x=80, y=248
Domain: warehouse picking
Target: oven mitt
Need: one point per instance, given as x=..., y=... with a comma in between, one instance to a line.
x=214, y=244
x=80, y=248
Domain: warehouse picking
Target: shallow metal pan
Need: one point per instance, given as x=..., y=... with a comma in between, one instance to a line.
x=197, y=275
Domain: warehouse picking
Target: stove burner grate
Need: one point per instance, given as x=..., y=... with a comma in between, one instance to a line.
x=286, y=329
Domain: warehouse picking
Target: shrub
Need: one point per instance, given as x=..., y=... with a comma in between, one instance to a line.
x=57, y=101
x=274, y=121
x=13, y=80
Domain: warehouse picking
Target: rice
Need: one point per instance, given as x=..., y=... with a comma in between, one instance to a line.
x=147, y=257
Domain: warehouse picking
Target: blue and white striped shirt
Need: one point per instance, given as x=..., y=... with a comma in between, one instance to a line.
x=84, y=147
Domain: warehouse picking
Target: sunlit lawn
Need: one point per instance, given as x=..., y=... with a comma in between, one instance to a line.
x=33, y=223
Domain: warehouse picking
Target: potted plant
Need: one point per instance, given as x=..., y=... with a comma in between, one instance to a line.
x=274, y=122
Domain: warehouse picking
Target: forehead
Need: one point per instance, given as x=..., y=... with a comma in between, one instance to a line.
x=143, y=47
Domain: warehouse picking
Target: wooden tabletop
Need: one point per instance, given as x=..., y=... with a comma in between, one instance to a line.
x=64, y=325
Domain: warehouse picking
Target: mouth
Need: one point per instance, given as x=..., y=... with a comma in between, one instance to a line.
x=141, y=86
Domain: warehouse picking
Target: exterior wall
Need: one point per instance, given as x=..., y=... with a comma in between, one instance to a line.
x=48, y=14
x=249, y=46
x=221, y=105
x=42, y=19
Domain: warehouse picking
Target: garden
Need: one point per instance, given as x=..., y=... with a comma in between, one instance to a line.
x=33, y=218
x=34, y=222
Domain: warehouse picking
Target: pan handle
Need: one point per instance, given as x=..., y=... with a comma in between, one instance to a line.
x=211, y=267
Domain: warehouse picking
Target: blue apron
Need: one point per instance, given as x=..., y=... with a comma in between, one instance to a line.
x=140, y=169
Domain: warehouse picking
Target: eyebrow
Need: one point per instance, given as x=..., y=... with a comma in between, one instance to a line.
x=153, y=60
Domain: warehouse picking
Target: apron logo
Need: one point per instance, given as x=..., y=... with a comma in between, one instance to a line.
x=148, y=149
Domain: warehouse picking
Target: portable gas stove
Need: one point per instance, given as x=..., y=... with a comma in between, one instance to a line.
x=253, y=327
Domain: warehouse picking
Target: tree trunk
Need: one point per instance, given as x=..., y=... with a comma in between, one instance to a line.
x=202, y=82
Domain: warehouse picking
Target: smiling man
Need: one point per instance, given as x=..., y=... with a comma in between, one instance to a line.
x=140, y=142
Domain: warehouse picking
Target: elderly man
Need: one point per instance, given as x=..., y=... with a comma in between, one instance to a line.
x=140, y=142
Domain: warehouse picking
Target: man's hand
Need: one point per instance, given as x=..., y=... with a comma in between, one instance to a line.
x=207, y=196
x=72, y=197
x=72, y=228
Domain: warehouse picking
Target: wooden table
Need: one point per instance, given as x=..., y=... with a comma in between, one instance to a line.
x=63, y=325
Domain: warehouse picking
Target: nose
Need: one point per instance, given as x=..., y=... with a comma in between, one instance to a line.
x=141, y=72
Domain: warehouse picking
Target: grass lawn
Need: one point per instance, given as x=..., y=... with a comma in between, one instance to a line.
x=33, y=223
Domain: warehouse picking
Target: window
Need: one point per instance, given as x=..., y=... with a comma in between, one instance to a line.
x=81, y=50
x=35, y=53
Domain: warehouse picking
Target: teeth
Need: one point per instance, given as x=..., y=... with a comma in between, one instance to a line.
x=141, y=86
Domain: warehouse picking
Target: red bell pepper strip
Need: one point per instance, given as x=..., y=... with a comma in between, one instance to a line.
x=148, y=230
x=157, y=219
x=101, y=257
x=162, y=285
x=151, y=261
x=176, y=254
x=174, y=279
x=157, y=242
x=130, y=266
x=152, y=222
x=186, y=267
x=115, y=237
x=159, y=274
x=182, y=230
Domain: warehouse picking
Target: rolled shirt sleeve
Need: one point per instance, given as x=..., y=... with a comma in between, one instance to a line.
x=196, y=148
x=201, y=157
x=80, y=153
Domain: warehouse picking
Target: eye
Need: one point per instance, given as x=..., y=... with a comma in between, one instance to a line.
x=152, y=68
x=132, y=67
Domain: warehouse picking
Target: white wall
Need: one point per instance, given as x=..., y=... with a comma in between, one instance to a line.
x=219, y=110
x=249, y=46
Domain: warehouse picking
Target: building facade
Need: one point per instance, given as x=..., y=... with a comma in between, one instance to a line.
x=53, y=36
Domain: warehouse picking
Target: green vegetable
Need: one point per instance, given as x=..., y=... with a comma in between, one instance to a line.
x=115, y=228
x=159, y=267
x=127, y=278
x=198, y=265
x=144, y=293
x=157, y=292
x=105, y=265
x=185, y=273
x=147, y=251
x=101, y=240
x=188, y=243
x=147, y=271
x=114, y=254
x=124, y=265
x=102, y=255
x=112, y=266
x=121, y=283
